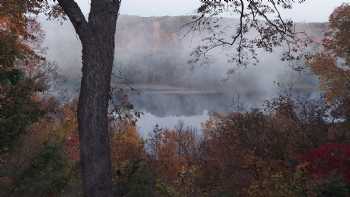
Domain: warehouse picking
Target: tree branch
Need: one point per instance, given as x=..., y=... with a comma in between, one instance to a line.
x=75, y=15
x=262, y=16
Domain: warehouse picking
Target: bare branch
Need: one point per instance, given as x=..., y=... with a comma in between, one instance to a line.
x=262, y=16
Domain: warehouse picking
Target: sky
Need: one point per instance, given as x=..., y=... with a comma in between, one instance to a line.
x=310, y=11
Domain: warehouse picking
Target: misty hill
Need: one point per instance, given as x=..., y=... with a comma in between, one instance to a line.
x=156, y=50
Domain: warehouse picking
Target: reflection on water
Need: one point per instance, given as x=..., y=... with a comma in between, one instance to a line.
x=168, y=109
x=148, y=121
x=167, y=106
x=163, y=105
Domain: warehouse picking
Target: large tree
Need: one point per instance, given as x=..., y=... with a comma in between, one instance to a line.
x=97, y=36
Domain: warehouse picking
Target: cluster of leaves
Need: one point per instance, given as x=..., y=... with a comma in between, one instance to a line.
x=328, y=159
x=173, y=153
x=47, y=175
x=18, y=110
x=21, y=71
x=256, y=154
x=331, y=64
x=44, y=162
x=31, y=164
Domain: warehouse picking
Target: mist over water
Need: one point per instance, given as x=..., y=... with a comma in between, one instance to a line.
x=152, y=55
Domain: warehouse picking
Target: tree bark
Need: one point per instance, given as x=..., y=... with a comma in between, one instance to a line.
x=97, y=37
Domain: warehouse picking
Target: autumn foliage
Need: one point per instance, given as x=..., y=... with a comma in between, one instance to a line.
x=331, y=64
x=289, y=148
x=328, y=159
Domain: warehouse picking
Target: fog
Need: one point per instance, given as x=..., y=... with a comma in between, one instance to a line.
x=153, y=54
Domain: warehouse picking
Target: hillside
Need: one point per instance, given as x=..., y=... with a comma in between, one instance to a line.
x=156, y=50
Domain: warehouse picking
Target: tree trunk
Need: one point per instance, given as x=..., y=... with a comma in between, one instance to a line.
x=93, y=122
x=97, y=37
